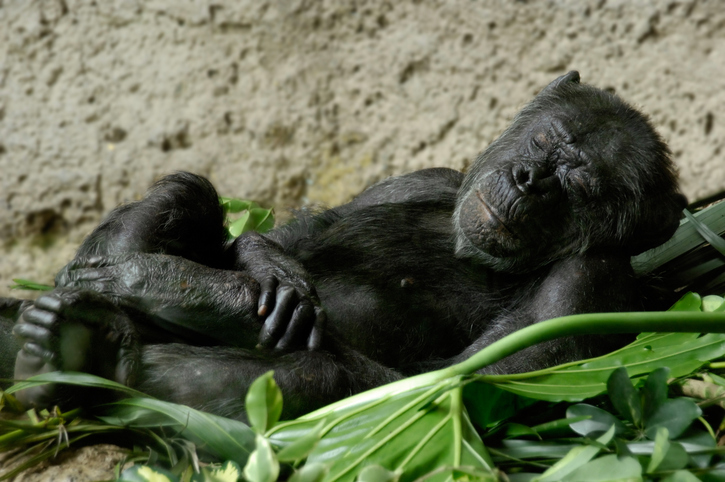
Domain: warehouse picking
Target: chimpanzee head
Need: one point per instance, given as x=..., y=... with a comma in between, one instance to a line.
x=578, y=170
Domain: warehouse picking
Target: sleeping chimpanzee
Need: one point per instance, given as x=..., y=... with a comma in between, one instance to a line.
x=417, y=272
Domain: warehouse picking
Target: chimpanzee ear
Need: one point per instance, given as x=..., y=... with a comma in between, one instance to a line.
x=657, y=223
x=572, y=76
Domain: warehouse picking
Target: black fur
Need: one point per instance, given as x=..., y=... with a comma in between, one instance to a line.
x=417, y=272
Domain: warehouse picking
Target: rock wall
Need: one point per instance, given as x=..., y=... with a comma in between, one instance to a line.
x=308, y=101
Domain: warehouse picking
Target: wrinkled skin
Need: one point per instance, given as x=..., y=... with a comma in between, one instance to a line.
x=419, y=271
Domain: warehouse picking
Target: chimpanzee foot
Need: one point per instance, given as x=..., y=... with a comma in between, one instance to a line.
x=72, y=330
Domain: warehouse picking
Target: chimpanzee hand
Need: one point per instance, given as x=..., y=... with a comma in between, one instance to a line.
x=288, y=300
x=186, y=298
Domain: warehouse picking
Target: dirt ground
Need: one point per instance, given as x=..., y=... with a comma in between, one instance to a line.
x=292, y=102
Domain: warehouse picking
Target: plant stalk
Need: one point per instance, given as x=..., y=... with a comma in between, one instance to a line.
x=585, y=324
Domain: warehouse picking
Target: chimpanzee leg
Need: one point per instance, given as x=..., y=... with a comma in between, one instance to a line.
x=180, y=215
x=216, y=379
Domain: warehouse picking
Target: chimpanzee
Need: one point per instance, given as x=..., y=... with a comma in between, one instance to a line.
x=417, y=272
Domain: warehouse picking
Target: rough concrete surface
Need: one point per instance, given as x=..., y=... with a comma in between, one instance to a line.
x=308, y=101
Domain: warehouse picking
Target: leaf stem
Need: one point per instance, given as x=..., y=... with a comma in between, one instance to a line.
x=586, y=324
x=592, y=324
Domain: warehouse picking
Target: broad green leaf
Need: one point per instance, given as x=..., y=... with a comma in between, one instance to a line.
x=689, y=302
x=676, y=458
x=683, y=476
x=263, y=403
x=488, y=404
x=608, y=468
x=598, y=421
x=712, y=303
x=624, y=397
x=675, y=415
x=409, y=433
x=376, y=473
x=262, y=465
x=310, y=473
x=239, y=226
x=261, y=219
x=654, y=391
x=662, y=446
x=576, y=458
x=228, y=472
x=301, y=447
x=222, y=438
x=683, y=353
x=233, y=205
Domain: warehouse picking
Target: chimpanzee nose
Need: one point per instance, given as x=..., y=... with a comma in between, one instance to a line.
x=525, y=177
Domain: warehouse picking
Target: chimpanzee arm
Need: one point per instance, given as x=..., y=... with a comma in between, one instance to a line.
x=580, y=284
x=294, y=316
x=202, y=304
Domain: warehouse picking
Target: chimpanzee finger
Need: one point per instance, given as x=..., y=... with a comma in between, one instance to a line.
x=37, y=334
x=302, y=318
x=45, y=319
x=314, y=342
x=48, y=302
x=36, y=350
x=268, y=290
x=274, y=325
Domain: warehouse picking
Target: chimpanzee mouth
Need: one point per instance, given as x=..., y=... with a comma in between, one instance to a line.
x=493, y=216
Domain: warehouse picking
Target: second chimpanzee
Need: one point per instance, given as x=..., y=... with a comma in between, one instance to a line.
x=418, y=271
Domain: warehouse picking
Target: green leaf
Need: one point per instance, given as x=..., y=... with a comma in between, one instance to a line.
x=376, y=473
x=23, y=284
x=220, y=437
x=262, y=220
x=239, y=226
x=676, y=458
x=488, y=404
x=662, y=446
x=228, y=472
x=624, y=397
x=74, y=378
x=301, y=447
x=408, y=432
x=263, y=402
x=576, y=458
x=682, y=352
x=310, y=473
x=682, y=476
x=144, y=473
x=557, y=425
x=689, y=302
x=674, y=415
x=232, y=205
x=654, y=392
x=713, y=303
x=608, y=468
x=708, y=234
x=512, y=430
x=598, y=421
x=262, y=465
x=685, y=239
